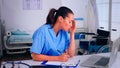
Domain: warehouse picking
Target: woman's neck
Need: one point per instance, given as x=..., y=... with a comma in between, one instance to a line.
x=56, y=28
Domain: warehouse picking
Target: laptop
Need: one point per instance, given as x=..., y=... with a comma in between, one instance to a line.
x=98, y=61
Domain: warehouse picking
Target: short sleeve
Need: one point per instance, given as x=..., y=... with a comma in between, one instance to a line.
x=38, y=42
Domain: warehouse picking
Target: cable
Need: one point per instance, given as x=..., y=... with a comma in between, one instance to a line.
x=13, y=64
x=4, y=66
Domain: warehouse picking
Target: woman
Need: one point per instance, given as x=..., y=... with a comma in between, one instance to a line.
x=51, y=41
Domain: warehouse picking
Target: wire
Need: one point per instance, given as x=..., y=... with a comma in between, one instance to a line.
x=13, y=64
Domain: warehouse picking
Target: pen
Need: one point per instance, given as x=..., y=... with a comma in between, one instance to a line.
x=44, y=62
x=77, y=63
x=59, y=52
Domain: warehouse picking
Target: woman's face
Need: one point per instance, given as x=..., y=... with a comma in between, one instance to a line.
x=67, y=22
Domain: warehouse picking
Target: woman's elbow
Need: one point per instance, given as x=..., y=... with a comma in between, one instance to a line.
x=35, y=57
x=71, y=55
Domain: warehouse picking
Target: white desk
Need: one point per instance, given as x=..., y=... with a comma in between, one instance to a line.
x=82, y=58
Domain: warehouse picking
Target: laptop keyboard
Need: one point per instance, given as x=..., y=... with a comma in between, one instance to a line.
x=103, y=61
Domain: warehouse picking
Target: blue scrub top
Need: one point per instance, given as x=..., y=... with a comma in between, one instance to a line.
x=46, y=42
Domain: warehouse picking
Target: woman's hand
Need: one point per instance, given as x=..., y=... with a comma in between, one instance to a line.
x=73, y=27
x=64, y=57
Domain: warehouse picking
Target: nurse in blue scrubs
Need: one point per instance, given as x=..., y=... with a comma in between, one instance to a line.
x=51, y=41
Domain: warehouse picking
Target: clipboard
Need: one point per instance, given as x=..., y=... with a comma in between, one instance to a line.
x=72, y=62
x=44, y=66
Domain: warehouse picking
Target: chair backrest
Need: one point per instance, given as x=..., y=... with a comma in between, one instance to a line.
x=101, y=41
x=103, y=33
x=102, y=37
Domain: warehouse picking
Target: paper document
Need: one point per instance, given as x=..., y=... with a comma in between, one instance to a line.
x=71, y=62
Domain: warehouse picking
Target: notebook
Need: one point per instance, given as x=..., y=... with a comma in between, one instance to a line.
x=99, y=61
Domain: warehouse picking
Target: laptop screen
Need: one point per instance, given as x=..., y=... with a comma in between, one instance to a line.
x=114, y=51
x=93, y=60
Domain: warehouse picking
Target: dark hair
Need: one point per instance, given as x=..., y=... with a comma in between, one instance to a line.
x=54, y=14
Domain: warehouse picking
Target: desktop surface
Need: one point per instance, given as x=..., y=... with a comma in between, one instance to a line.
x=82, y=58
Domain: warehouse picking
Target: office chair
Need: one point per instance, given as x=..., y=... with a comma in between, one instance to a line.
x=100, y=40
x=96, y=42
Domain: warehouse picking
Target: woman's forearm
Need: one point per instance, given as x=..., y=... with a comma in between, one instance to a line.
x=40, y=57
x=71, y=49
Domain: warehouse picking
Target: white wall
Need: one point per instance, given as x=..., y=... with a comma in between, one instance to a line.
x=78, y=7
x=29, y=20
x=115, y=19
x=103, y=10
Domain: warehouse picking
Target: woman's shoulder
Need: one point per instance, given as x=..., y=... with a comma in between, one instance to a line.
x=43, y=27
x=41, y=30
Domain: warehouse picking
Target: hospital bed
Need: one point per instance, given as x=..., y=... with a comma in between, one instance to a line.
x=17, y=43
